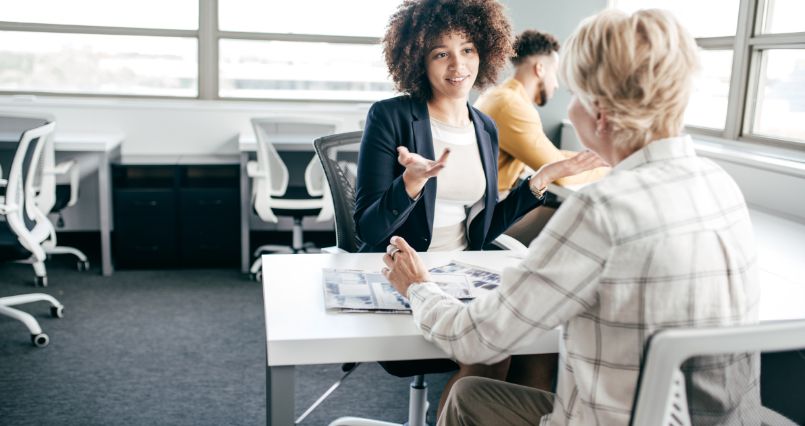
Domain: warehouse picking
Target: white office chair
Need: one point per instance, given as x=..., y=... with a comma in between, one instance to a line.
x=52, y=197
x=661, y=398
x=23, y=229
x=26, y=227
x=271, y=194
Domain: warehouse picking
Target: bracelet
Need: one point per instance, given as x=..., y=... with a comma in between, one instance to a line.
x=539, y=193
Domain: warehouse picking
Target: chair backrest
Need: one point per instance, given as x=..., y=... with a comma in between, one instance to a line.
x=274, y=172
x=341, y=173
x=20, y=190
x=268, y=129
x=660, y=397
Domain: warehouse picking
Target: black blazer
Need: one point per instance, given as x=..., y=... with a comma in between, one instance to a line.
x=383, y=208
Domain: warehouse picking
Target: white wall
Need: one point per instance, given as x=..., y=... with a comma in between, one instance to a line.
x=173, y=127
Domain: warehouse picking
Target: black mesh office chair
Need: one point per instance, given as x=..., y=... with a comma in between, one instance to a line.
x=22, y=228
x=341, y=173
x=339, y=158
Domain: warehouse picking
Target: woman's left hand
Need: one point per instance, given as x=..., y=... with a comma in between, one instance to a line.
x=579, y=163
x=403, y=266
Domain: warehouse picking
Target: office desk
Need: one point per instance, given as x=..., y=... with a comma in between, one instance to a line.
x=105, y=146
x=300, y=331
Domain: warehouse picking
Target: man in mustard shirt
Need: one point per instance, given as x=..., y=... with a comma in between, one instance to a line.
x=511, y=105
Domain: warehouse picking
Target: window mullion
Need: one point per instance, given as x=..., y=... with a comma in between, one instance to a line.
x=208, y=49
x=313, y=38
x=737, y=98
x=89, y=29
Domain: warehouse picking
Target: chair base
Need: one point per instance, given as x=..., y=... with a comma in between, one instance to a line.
x=41, y=279
x=83, y=262
x=297, y=246
x=417, y=409
x=38, y=338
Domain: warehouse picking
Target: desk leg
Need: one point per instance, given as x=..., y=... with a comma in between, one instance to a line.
x=245, y=210
x=105, y=214
x=280, y=388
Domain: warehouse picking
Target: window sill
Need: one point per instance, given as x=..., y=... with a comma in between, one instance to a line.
x=773, y=159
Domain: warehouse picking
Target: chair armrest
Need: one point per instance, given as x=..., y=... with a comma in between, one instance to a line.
x=253, y=170
x=506, y=242
x=332, y=250
x=64, y=168
x=7, y=208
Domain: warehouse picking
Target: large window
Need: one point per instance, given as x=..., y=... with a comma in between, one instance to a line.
x=304, y=49
x=207, y=49
x=98, y=64
x=752, y=82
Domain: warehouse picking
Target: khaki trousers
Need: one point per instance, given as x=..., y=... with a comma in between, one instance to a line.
x=482, y=401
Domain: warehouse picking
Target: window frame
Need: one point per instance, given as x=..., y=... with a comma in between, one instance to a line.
x=746, y=45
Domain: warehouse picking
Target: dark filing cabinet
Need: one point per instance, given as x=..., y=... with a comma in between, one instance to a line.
x=176, y=215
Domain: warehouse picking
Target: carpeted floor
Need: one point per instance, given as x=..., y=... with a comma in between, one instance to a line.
x=178, y=347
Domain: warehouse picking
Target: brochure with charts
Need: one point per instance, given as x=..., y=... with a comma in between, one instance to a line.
x=479, y=277
x=358, y=291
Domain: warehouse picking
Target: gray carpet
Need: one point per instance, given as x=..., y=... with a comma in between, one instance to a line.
x=178, y=347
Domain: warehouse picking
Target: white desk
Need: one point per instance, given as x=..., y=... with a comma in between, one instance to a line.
x=300, y=331
x=106, y=147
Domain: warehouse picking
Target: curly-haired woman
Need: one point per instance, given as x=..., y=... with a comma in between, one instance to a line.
x=436, y=52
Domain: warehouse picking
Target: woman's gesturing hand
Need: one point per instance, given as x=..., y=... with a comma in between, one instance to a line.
x=574, y=165
x=419, y=169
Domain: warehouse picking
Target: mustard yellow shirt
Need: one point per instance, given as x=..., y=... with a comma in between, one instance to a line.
x=522, y=140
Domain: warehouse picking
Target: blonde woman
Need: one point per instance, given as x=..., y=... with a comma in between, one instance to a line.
x=663, y=241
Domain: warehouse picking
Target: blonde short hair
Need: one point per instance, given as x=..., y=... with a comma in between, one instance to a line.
x=637, y=68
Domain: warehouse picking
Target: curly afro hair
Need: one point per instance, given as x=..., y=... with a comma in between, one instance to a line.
x=532, y=42
x=418, y=23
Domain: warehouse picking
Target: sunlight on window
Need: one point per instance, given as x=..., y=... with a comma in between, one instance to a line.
x=343, y=17
x=708, y=103
x=173, y=14
x=98, y=64
x=709, y=18
x=784, y=16
x=258, y=69
x=780, y=109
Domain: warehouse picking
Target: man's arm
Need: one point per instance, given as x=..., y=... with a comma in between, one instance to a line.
x=556, y=281
x=522, y=137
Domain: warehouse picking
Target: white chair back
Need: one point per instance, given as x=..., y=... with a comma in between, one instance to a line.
x=273, y=172
x=660, y=397
x=23, y=217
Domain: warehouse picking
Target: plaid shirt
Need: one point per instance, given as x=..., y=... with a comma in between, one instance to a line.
x=663, y=241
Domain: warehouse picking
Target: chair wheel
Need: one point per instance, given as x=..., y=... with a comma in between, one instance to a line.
x=259, y=277
x=41, y=281
x=57, y=311
x=40, y=340
x=82, y=265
